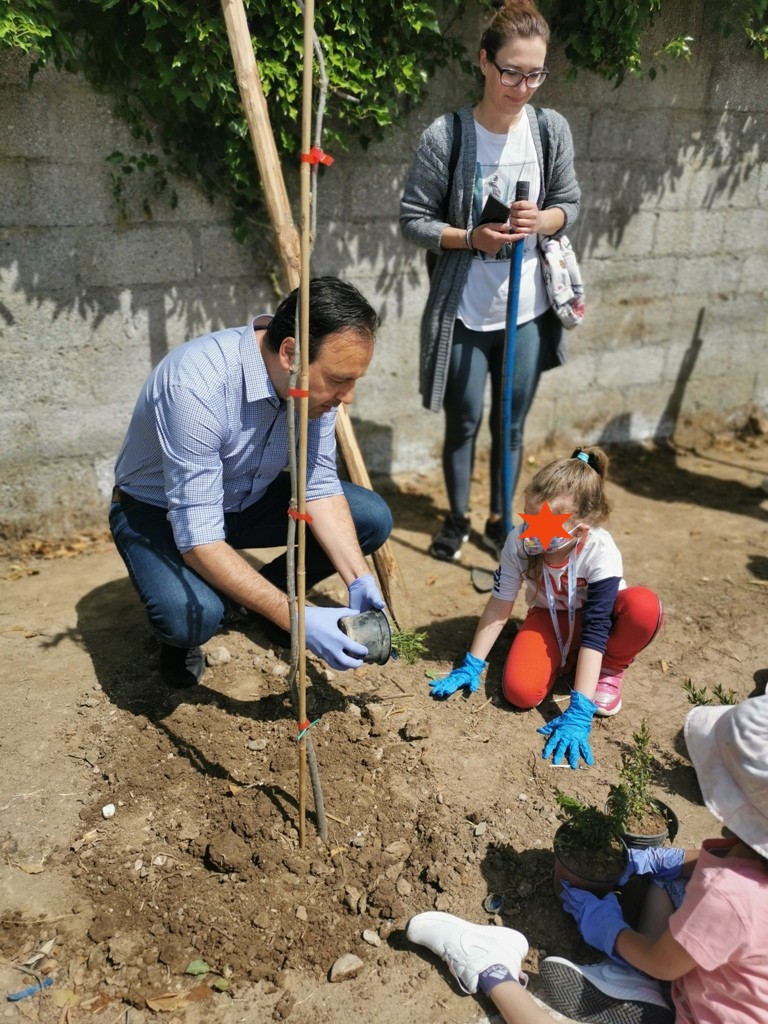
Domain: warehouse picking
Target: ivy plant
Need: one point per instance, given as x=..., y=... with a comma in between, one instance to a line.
x=168, y=65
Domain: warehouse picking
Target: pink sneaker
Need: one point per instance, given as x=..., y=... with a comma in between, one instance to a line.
x=608, y=693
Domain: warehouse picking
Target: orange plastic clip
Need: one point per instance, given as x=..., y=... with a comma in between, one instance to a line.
x=316, y=156
x=298, y=393
x=295, y=514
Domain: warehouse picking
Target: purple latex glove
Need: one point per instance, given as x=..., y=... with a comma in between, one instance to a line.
x=466, y=675
x=599, y=920
x=661, y=862
x=569, y=732
x=325, y=638
x=364, y=594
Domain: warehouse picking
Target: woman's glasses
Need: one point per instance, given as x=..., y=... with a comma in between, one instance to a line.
x=512, y=78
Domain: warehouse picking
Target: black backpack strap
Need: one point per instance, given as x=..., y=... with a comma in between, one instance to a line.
x=453, y=159
x=455, y=147
x=544, y=136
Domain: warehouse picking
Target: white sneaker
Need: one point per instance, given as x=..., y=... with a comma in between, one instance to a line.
x=467, y=948
x=604, y=993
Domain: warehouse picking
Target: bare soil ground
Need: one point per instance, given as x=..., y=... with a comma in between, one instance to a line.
x=429, y=805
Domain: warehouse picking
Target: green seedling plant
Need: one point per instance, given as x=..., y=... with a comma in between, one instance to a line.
x=588, y=842
x=630, y=801
x=588, y=826
x=702, y=697
x=408, y=645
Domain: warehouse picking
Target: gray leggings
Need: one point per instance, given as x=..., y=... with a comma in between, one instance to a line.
x=474, y=355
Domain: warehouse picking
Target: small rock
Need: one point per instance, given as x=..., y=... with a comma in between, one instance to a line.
x=419, y=729
x=108, y=811
x=284, y=1005
x=257, y=744
x=403, y=887
x=376, y=714
x=399, y=849
x=371, y=937
x=346, y=967
x=301, y=913
x=218, y=656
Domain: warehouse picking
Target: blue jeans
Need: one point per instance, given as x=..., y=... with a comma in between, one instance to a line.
x=184, y=610
x=474, y=355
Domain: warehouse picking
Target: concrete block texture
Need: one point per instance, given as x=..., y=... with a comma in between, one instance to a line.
x=98, y=282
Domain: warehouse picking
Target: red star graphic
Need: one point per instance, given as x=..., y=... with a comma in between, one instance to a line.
x=544, y=524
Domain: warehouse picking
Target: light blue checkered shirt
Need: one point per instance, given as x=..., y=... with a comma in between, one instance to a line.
x=209, y=434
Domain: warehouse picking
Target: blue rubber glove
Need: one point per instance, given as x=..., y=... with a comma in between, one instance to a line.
x=324, y=638
x=599, y=920
x=662, y=862
x=364, y=594
x=569, y=732
x=467, y=675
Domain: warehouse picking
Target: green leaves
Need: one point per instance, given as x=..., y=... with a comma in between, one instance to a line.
x=169, y=66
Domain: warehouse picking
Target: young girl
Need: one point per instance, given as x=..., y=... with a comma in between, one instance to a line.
x=710, y=944
x=490, y=147
x=582, y=617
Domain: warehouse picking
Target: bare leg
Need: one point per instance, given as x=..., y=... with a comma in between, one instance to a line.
x=654, y=917
x=516, y=1005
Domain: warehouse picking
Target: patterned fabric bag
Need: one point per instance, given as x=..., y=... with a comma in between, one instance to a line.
x=562, y=278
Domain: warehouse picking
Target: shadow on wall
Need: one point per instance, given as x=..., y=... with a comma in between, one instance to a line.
x=658, y=474
x=616, y=185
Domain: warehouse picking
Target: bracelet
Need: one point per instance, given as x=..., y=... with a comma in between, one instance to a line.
x=468, y=237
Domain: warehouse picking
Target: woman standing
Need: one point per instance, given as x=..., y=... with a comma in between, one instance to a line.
x=493, y=145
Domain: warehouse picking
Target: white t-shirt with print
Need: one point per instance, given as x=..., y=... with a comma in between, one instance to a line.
x=596, y=557
x=502, y=161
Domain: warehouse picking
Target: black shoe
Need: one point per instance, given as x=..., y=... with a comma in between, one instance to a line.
x=494, y=536
x=181, y=667
x=446, y=545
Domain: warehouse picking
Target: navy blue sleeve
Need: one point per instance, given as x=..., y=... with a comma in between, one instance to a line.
x=597, y=611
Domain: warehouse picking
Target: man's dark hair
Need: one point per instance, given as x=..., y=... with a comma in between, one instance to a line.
x=334, y=305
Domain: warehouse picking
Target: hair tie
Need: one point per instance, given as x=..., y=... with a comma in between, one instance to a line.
x=589, y=457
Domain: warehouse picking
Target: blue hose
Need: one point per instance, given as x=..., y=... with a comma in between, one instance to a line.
x=510, y=338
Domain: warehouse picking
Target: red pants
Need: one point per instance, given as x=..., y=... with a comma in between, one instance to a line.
x=533, y=662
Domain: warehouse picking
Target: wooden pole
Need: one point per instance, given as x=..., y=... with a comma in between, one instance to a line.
x=262, y=140
x=288, y=249
x=303, y=339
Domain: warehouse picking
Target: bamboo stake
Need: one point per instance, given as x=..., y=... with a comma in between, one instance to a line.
x=303, y=345
x=288, y=249
x=262, y=140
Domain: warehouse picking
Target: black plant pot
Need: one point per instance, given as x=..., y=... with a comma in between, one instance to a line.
x=636, y=841
x=372, y=629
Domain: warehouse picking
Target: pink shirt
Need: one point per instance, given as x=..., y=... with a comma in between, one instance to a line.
x=723, y=925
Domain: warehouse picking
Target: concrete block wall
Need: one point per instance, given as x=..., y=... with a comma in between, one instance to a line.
x=671, y=239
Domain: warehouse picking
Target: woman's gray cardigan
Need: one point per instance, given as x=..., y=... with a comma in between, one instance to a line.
x=421, y=222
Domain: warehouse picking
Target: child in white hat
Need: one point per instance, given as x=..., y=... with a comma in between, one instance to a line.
x=705, y=923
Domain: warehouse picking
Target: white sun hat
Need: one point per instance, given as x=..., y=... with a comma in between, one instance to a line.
x=729, y=750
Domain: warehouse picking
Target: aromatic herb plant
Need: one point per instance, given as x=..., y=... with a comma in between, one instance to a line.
x=408, y=644
x=588, y=843
x=702, y=696
x=630, y=801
